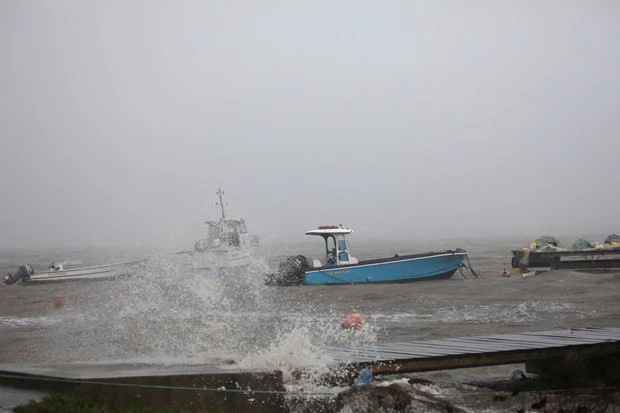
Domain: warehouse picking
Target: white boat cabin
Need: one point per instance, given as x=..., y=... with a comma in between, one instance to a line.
x=336, y=245
x=225, y=233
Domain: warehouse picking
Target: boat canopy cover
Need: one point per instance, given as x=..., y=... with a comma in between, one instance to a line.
x=330, y=230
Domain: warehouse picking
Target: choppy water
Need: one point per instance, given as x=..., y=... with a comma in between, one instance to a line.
x=170, y=314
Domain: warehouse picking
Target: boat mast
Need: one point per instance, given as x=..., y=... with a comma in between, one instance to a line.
x=221, y=202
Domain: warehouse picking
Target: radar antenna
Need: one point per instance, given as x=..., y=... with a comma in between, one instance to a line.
x=221, y=202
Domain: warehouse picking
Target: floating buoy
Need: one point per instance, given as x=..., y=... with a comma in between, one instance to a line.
x=59, y=303
x=353, y=320
x=505, y=273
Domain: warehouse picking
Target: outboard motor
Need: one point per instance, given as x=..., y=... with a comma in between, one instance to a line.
x=291, y=271
x=23, y=273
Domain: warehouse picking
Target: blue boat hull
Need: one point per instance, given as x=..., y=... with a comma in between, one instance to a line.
x=390, y=270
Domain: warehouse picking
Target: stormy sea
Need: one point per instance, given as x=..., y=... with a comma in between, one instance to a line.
x=171, y=314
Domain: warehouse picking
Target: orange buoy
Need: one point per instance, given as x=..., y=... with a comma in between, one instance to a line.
x=59, y=303
x=505, y=273
x=353, y=321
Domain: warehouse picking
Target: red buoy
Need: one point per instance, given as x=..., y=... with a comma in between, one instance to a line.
x=59, y=303
x=353, y=321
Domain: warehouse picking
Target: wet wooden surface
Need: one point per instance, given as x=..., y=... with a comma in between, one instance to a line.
x=477, y=351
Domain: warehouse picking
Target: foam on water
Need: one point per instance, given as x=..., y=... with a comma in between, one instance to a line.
x=524, y=312
x=11, y=322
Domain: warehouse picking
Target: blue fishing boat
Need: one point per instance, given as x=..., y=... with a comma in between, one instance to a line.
x=340, y=267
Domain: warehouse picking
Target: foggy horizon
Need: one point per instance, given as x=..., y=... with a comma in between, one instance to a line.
x=120, y=120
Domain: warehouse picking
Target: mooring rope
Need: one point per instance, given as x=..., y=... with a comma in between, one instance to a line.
x=470, y=266
x=155, y=386
x=467, y=266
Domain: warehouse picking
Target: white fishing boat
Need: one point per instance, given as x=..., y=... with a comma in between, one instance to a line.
x=57, y=273
x=228, y=243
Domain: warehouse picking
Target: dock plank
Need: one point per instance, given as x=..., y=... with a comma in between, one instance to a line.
x=487, y=345
x=419, y=349
x=496, y=345
x=474, y=351
x=545, y=340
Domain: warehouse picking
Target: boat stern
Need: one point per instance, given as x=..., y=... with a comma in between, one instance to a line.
x=22, y=274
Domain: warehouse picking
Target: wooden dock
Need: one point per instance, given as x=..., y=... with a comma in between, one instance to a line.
x=478, y=351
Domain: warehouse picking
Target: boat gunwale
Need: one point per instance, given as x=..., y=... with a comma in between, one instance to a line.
x=72, y=273
x=377, y=261
x=69, y=278
x=118, y=264
x=442, y=276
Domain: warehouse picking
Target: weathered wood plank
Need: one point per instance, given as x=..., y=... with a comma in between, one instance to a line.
x=487, y=345
x=420, y=349
x=546, y=340
x=477, y=351
x=497, y=345
x=414, y=352
x=580, y=334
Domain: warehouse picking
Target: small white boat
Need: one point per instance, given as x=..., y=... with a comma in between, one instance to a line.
x=529, y=274
x=57, y=273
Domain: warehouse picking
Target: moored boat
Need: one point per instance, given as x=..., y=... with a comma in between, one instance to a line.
x=547, y=252
x=340, y=267
x=57, y=273
x=228, y=243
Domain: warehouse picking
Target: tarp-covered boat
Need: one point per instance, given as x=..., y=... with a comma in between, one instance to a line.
x=547, y=252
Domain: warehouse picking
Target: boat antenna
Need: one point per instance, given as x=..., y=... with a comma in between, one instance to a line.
x=221, y=202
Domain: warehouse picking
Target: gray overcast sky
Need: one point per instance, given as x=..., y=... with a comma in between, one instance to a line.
x=120, y=119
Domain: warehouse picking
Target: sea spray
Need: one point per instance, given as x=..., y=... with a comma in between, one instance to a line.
x=301, y=352
x=165, y=314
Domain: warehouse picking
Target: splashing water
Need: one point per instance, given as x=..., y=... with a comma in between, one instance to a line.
x=172, y=314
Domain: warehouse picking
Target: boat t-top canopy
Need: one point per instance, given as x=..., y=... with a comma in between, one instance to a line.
x=330, y=230
x=336, y=245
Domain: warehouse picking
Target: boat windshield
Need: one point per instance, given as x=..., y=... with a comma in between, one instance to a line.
x=330, y=249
